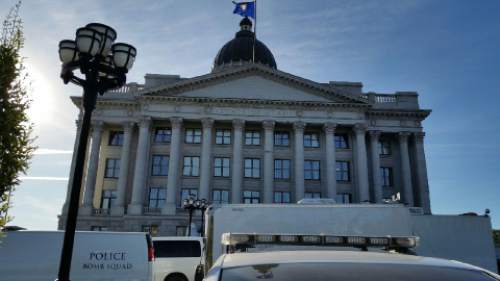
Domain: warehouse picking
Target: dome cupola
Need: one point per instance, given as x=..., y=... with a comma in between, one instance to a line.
x=240, y=49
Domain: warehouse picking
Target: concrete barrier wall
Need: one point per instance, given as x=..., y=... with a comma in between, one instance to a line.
x=463, y=238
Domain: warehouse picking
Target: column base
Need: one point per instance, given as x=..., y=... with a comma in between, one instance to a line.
x=118, y=211
x=134, y=209
x=169, y=209
x=85, y=210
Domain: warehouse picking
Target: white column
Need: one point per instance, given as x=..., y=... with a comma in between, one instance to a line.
x=375, y=165
x=173, y=166
x=361, y=163
x=299, y=159
x=268, y=160
x=331, y=174
x=90, y=182
x=405, y=169
x=141, y=162
x=72, y=168
x=119, y=208
x=421, y=170
x=237, y=177
x=206, y=155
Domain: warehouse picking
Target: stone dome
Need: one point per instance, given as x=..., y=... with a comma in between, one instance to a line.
x=240, y=49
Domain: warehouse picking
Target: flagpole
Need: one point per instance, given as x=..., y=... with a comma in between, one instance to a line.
x=254, y=31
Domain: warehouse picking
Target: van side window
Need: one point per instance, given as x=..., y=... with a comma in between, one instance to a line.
x=177, y=249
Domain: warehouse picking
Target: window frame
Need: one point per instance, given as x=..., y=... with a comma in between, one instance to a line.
x=341, y=141
x=191, y=166
x=159, y=165
x=254, y=172
x=280, y=140
x=114, y=171
x=281, y=197
x=221, y=193
x=310, y=141
x=221, y=170
x=222, y=136
x=343, y=171
x=186, y=193
x=384, y=147
x=158, y=198
x=115, y=138
x=252, y=197
x=109, y=196
x=193, y=136
x=315, y=173
x=280, y=173
x=254, y=135
x=386, y=177
x=312, y=195
x=164, y=137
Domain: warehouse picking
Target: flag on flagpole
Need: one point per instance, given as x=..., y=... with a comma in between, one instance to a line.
x=245, y=9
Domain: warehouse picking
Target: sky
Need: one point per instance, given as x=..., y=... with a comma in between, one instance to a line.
x=448, y=51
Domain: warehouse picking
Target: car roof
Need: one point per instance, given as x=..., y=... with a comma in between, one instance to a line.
x=177, y=238
x=248, y=259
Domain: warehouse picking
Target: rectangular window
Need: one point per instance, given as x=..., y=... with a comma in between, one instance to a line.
x=384, y=147
x=220, y=196
x=281, y=197
x=187, y=193
x=152, y=229
x=343, y=198
x=191, y=166
x=159, y=165
x=252, y=168
x=342, y=170
x=221, y=167
x=112, y=168
x=311, y=170
x=193, y=136
x=252, y=138
x=386, y=176
x=341, y=141
x=115, y=138
x=181, y=230
x=311, y=140
x=223, y=137
x=251, y=197
x=163, y=135
x=281, y=139
x=312, y=195
x=281, y=169
x=108, y=199
x=98, y=228
x=157, y=197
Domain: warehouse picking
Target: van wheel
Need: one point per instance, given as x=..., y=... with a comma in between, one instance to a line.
x=176, y=277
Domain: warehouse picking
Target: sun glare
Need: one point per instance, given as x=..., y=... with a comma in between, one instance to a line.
x=41, y=93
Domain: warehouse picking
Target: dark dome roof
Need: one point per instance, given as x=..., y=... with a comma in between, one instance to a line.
x=241, y=49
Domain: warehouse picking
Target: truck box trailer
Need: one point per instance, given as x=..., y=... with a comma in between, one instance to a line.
x=463, y=238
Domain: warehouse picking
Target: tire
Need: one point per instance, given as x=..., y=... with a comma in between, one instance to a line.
x=176, y=277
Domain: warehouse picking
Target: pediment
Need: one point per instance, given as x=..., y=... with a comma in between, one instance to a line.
x=254, y=82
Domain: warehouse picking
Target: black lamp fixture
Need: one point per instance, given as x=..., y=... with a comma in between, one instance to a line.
x=191, y=205
x=103, y=65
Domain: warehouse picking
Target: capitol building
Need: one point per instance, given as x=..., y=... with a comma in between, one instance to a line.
x=246, y=132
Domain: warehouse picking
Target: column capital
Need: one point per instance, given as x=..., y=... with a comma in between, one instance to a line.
x=128, y=125
x=374, y=133
x=330, y=127
x=207, y=123
x=299, y=126
x=97, y=125
x=419, y=136
x=403, y=135
x=176, y=122
x=360, y=128
x=145, y=121
x=238, y=124
x=268, y=124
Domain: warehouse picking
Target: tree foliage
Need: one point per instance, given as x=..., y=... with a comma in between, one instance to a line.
x=16, y=143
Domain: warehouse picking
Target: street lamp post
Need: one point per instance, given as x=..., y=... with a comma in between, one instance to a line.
x=104, y=65
x=191, y=205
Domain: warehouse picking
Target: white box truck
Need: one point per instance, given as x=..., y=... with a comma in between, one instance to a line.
x=35, y=255
x=463, y=238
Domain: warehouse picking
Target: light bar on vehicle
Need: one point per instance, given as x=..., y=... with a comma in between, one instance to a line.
x=245, y=240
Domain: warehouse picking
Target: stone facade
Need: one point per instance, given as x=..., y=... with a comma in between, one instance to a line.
x=246, y=133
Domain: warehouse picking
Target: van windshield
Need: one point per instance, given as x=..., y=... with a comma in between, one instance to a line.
x=177, y=249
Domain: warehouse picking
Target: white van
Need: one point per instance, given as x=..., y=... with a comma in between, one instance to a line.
x=35, y=255
x=177, y=257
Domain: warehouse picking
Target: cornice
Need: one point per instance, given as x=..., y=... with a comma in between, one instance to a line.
x=421, y=114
